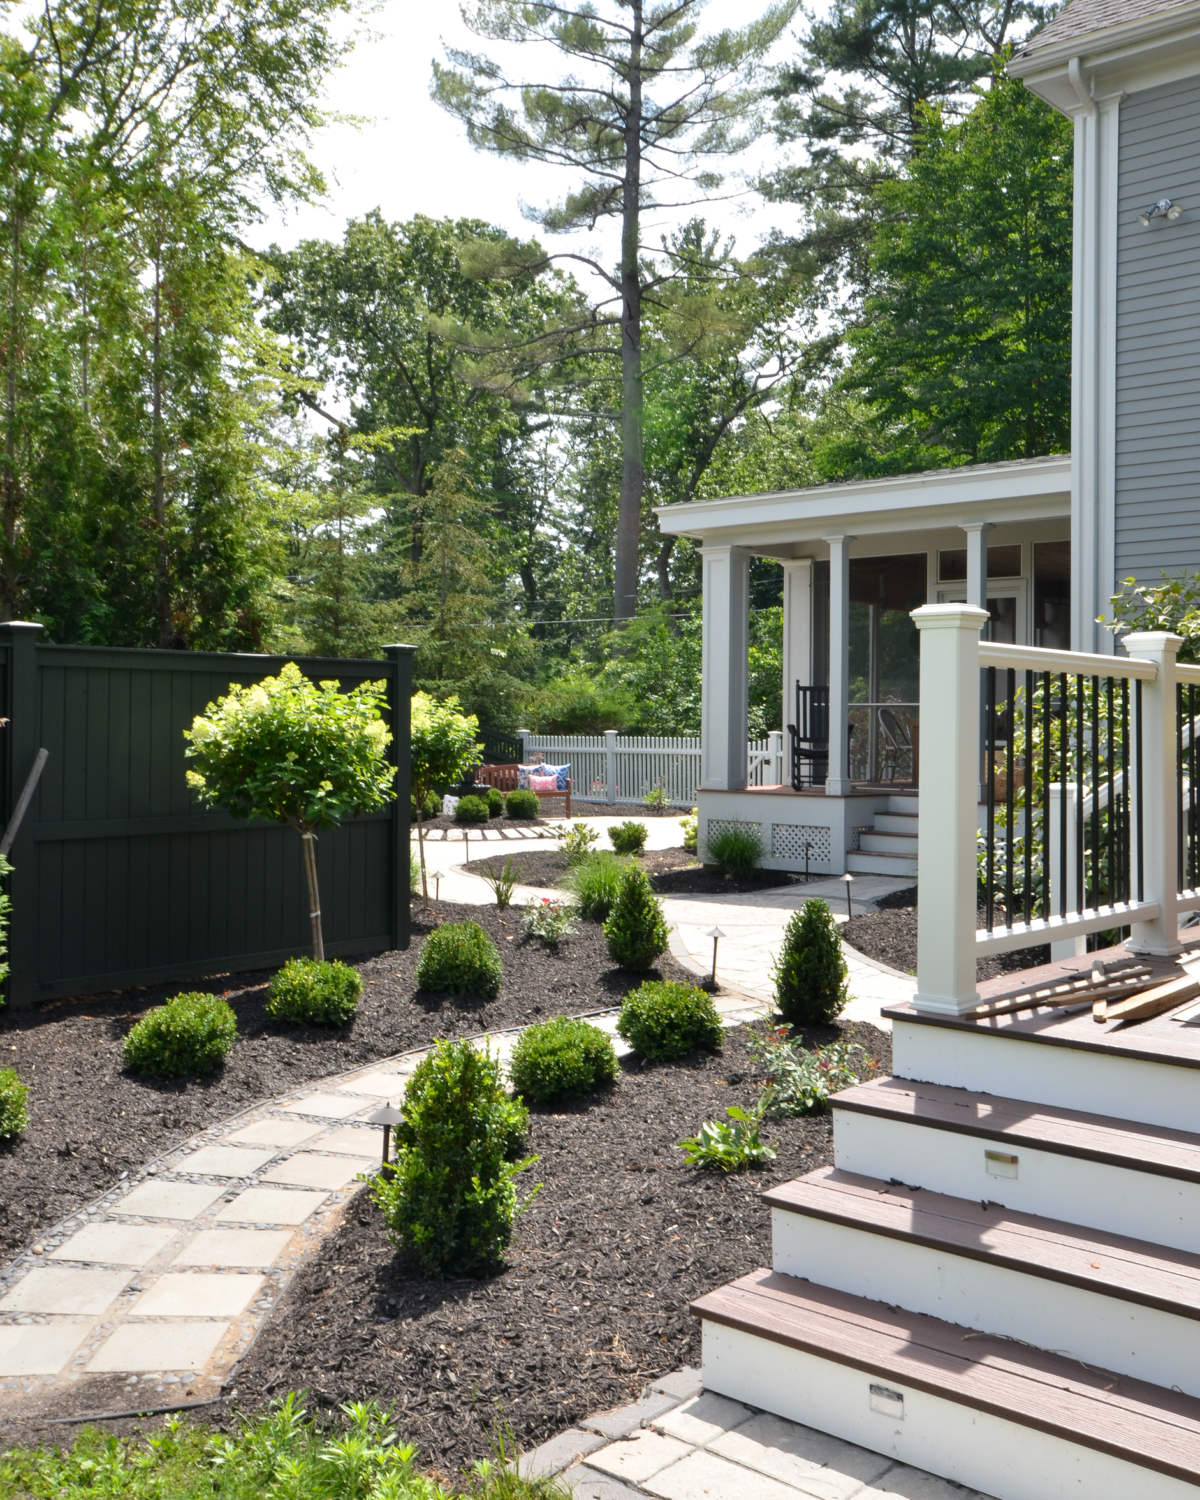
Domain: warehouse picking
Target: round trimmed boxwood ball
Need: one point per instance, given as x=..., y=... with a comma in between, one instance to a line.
x=495, y=801
x=318, y=991
x=561, y=1059
x=191, y=1034
x=459, y=958
x=663, y=1019
x=471, y=809
x=522, y=803
x=13, y=1115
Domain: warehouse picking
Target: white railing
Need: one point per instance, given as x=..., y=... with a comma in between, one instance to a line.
x=948, y=943
x=617, y=768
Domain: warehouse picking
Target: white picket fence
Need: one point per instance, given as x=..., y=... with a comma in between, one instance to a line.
x=617, y=768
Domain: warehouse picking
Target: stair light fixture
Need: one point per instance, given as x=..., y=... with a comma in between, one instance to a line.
x=1165, y=208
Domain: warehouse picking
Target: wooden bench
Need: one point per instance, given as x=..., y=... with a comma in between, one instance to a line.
x=505, y=779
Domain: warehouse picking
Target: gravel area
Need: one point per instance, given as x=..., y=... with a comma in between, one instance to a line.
x=890, y=935
x=592, y=1303
x=673, y=872
x=91, y=1120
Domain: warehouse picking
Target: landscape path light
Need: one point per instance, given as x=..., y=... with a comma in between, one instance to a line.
x=849, y=879
x=716, y=934
x=387, y=1117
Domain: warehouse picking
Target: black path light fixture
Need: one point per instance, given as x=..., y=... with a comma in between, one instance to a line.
x=716, y=934
x=387, y=1117
x=849, y=879
x=1165, y=208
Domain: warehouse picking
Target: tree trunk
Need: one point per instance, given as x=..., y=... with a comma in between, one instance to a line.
x=162, y=563
x=308, y=842
x=629, y=512
x=12, y=482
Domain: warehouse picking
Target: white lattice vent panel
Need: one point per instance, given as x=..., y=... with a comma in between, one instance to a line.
x=717, y=826
x=788, y=841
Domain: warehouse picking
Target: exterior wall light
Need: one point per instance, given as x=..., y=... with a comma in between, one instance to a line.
x=1163, y=209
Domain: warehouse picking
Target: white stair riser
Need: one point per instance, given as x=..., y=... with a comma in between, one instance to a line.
x=900, y=804
x=1144, y=1342
x=896, y=823
x=888, y=843
x=880, y=864
x=974, y=1448
x=1153, y=1093
x=1163, y=1210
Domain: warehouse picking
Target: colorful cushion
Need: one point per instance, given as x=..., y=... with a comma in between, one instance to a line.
x=543, y=783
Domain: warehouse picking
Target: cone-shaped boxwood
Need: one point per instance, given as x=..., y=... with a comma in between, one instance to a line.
x=321, y=993
x=459, y=958
x=663, y=1019
x=810, y=972
x=561, y=1059
x=191, y=1034
x=13, y=1115
x=636, y=931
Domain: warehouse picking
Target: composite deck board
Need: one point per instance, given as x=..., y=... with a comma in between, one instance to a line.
x=1111, y=1264
x=1067, y=1132
x=1129, y=1419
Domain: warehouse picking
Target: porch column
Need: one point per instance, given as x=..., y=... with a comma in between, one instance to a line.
x=838, y=783
x=977, y=562
x=725, y=672
x=797, y=631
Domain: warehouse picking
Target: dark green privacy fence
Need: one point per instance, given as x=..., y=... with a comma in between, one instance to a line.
x=120, y=877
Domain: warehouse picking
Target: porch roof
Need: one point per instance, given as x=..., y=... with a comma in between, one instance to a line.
x=785, y=523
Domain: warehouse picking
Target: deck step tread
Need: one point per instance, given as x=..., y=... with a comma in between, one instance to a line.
x=1129, y=1419
x=1067, y=1132
x=1111, y=1264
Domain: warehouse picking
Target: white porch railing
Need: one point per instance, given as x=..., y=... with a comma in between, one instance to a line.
x=1139, y=860
x=617, y=768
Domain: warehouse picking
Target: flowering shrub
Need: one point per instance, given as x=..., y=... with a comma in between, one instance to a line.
x=548, y=920
x=801, y=1081
x=575, y=840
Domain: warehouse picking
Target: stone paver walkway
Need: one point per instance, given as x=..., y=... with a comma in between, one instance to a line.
x=682, y=1443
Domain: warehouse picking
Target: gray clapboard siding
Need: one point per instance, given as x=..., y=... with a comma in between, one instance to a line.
x=1158, y=336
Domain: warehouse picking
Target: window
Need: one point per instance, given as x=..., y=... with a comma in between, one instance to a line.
x=1002, y=562
x=1052, y=595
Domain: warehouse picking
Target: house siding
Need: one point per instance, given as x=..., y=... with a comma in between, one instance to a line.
x=1158, y=335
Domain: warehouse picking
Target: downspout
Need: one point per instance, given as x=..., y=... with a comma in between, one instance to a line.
x=1082, y=91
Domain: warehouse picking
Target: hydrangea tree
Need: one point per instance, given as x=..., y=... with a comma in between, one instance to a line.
x=294, y=751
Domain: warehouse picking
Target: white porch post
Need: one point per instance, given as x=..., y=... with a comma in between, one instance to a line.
x=725, y=670
x=947, y=830
x=838, y=783
x=797, y=631
x=977, y=562
x=1158, y=778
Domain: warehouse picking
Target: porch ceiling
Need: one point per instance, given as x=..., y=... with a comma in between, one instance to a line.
x=782, y=521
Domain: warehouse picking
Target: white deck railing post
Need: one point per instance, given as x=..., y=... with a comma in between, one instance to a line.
x=1158, y=788
x=1066, y=947
x=947, y=830
x=610, y=765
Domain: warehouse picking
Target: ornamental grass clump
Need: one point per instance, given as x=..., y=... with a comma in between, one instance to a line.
x=736, y=851
x=471, y=809
x=189, y=1036
x=459, y=958
x=319, y=993
x=636, y=932
x=452, y=1197
x=628, y=837
x=663, y=1019
x=810, y=973
x=594, y=883
x=13, y=1114
x=561, y=1059
x=522, y=803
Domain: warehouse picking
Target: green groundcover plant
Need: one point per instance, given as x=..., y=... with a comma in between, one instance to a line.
x=810, y=973
x=14, y=1115
x=729, y=1148
x=663, y=1019
x=459, y=958
x=452, y=1198
x=561, y=1059
x=636, y=931
x=321, y=993
x=188, y=1037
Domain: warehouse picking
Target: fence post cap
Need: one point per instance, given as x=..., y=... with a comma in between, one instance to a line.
x=949, y=617
x=21, y=627
x=1151, y=640
x=388, y=650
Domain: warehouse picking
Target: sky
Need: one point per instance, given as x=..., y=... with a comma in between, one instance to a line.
x=409, y=156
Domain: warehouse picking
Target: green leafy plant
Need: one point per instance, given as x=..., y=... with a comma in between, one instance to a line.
x=522, y=804
x=414, y=873
x=810, y=973
x=801, y=1081
x=459, y=958
x=294, y=752
x=737, y=851
x=689, y=826
x=189, y=1036
x=548, y=921
x=321, y=993
x=575, y=840
x=729, y=1148
x=471, y=809
x=13, y=1114
x=561, y=1059
x=430, y=808
x=495, y=801
x=452, y=1198
x=5, y=910
x=656, y=799
x=628, y=837
x=504, y=880
x=594, y=883
x=663, y=1019
x=636, y=931
x=443, y=750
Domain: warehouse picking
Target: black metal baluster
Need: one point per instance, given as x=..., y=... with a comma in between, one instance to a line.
x=1192, y=852
x=1047, y=748
x=1064, y=720
x=1124, y=799
x=1030, y=726
x=1179, y=764
x=1109, y=747
x=1095, y=705
x=989, y=889
x=1010, y=770
x=1137, y=766
x=1080, y=841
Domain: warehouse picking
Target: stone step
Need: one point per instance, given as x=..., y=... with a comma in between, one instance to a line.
x=864, y=862
x=1014, y=1422
x=1114, y=1302
x=1109, y=1174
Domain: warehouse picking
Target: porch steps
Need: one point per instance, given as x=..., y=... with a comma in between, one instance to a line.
x=890, y=846
x=1011, y=1421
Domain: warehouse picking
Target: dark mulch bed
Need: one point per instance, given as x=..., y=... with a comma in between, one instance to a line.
x=890, y=935
x=593, y=1301
x=91, y=1121
x=673, y=872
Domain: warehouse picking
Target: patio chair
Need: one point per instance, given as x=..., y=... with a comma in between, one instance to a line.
x=897, y=742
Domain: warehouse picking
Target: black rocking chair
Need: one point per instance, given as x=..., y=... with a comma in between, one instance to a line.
x=810, y=737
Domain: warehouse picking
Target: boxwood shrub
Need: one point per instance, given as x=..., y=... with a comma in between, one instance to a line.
x=561, y=1059
x=663, y=1019
x=471, y=809
x=628, y=837
x=191, y=1034
x=459, y=958
x=636, y=931
x=522, y=803
x=320, y=992
x=495, y=801
x=13, y=1115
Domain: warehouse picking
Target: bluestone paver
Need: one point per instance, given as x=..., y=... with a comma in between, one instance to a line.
x=66, y=1290
x=309, y=1170
x=225, y=1161
x=168, y=1200
x=325, y=1106
x=377, y=1085
x=819, y=1464
x=354, y=1140
x=115, y=1244
x=139, y=1347
x=638, y=1457
x=274, y=1131
x=201, y=1294
x=39, y=1348
x=259, y=1248
x=271, y=1206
